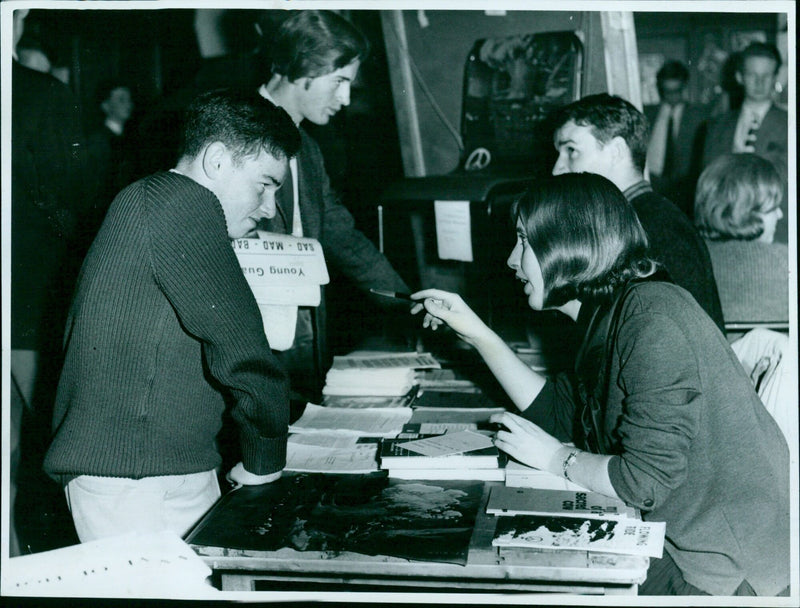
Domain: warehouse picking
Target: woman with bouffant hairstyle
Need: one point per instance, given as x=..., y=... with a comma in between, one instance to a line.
x=738, y=196
x=656, y=408
x=737, y=206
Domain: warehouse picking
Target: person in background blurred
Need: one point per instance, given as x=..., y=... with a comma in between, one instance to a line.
x=108, y=151
x=737, y=209
x=47, y=194
x=674, y=125
x=759, y=126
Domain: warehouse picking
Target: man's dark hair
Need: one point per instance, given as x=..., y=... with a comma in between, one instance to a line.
x=760, y=49
x=608, y=116
x=241, y=119
x=314, y=43
x=672, y=70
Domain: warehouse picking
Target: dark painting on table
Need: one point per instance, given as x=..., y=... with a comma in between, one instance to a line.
x=372, y=515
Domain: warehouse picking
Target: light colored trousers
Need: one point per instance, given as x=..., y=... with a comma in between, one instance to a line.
x=110, y=506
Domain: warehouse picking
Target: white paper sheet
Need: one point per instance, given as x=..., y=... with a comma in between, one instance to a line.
x=449, y=443
x=453, y=230
x=361, y=458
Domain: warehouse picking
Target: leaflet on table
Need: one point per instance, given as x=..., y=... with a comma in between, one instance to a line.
x=394, y=455
x=330, y=453
x=367, y=422
x=449, y=443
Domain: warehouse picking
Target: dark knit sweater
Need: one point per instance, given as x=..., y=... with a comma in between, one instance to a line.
x=676, y=244
x=162, y=331
x=753, y=279
x=692, y=444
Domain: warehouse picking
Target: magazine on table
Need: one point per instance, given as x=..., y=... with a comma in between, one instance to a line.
x=625, y=536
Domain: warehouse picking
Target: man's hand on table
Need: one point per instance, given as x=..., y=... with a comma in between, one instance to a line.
x=239, y=476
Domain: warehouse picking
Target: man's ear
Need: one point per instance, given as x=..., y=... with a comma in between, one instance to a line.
x=215, y=156
x=738, y=76
x=619, y=149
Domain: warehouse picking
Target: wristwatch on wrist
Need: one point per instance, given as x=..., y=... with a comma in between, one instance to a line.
x=573, y=455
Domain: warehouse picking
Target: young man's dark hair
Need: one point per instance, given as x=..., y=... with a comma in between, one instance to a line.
x=164, y=334
x=246, y=128
x=314, y=43
x=609, y=117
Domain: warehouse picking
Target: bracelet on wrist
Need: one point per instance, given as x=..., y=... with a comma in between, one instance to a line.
x=573, y=455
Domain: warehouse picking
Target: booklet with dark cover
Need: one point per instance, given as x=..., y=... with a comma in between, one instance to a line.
x=367, y=514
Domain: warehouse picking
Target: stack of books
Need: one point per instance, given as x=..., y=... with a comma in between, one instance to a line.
x=390, y=382
x=578, y=520
x=457, y=455
x=375, y=374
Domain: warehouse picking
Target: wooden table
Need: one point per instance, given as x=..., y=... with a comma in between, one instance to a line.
x=488, y=569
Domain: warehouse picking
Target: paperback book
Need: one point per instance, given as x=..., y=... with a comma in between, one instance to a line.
x=507, y=501
x=625, y=536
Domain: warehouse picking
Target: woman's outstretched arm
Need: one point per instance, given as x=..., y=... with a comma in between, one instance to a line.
x=520, y=382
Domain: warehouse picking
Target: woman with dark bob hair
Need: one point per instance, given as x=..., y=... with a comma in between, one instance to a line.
x=658, y=411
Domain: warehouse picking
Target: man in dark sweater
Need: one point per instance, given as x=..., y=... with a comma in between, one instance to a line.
x=164, y=331
x=605, y=134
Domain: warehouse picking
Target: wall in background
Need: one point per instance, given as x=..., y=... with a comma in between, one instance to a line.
x=438, y=44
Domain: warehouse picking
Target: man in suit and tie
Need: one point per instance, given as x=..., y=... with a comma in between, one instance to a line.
x=315, y=58
x=674, y=127
x=760, y=126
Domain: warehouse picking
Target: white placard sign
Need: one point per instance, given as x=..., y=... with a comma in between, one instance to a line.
x=283, y=272
x=453, y=230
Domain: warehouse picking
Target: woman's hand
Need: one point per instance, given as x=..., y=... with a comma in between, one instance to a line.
x=529, y=444
x=444, y=307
